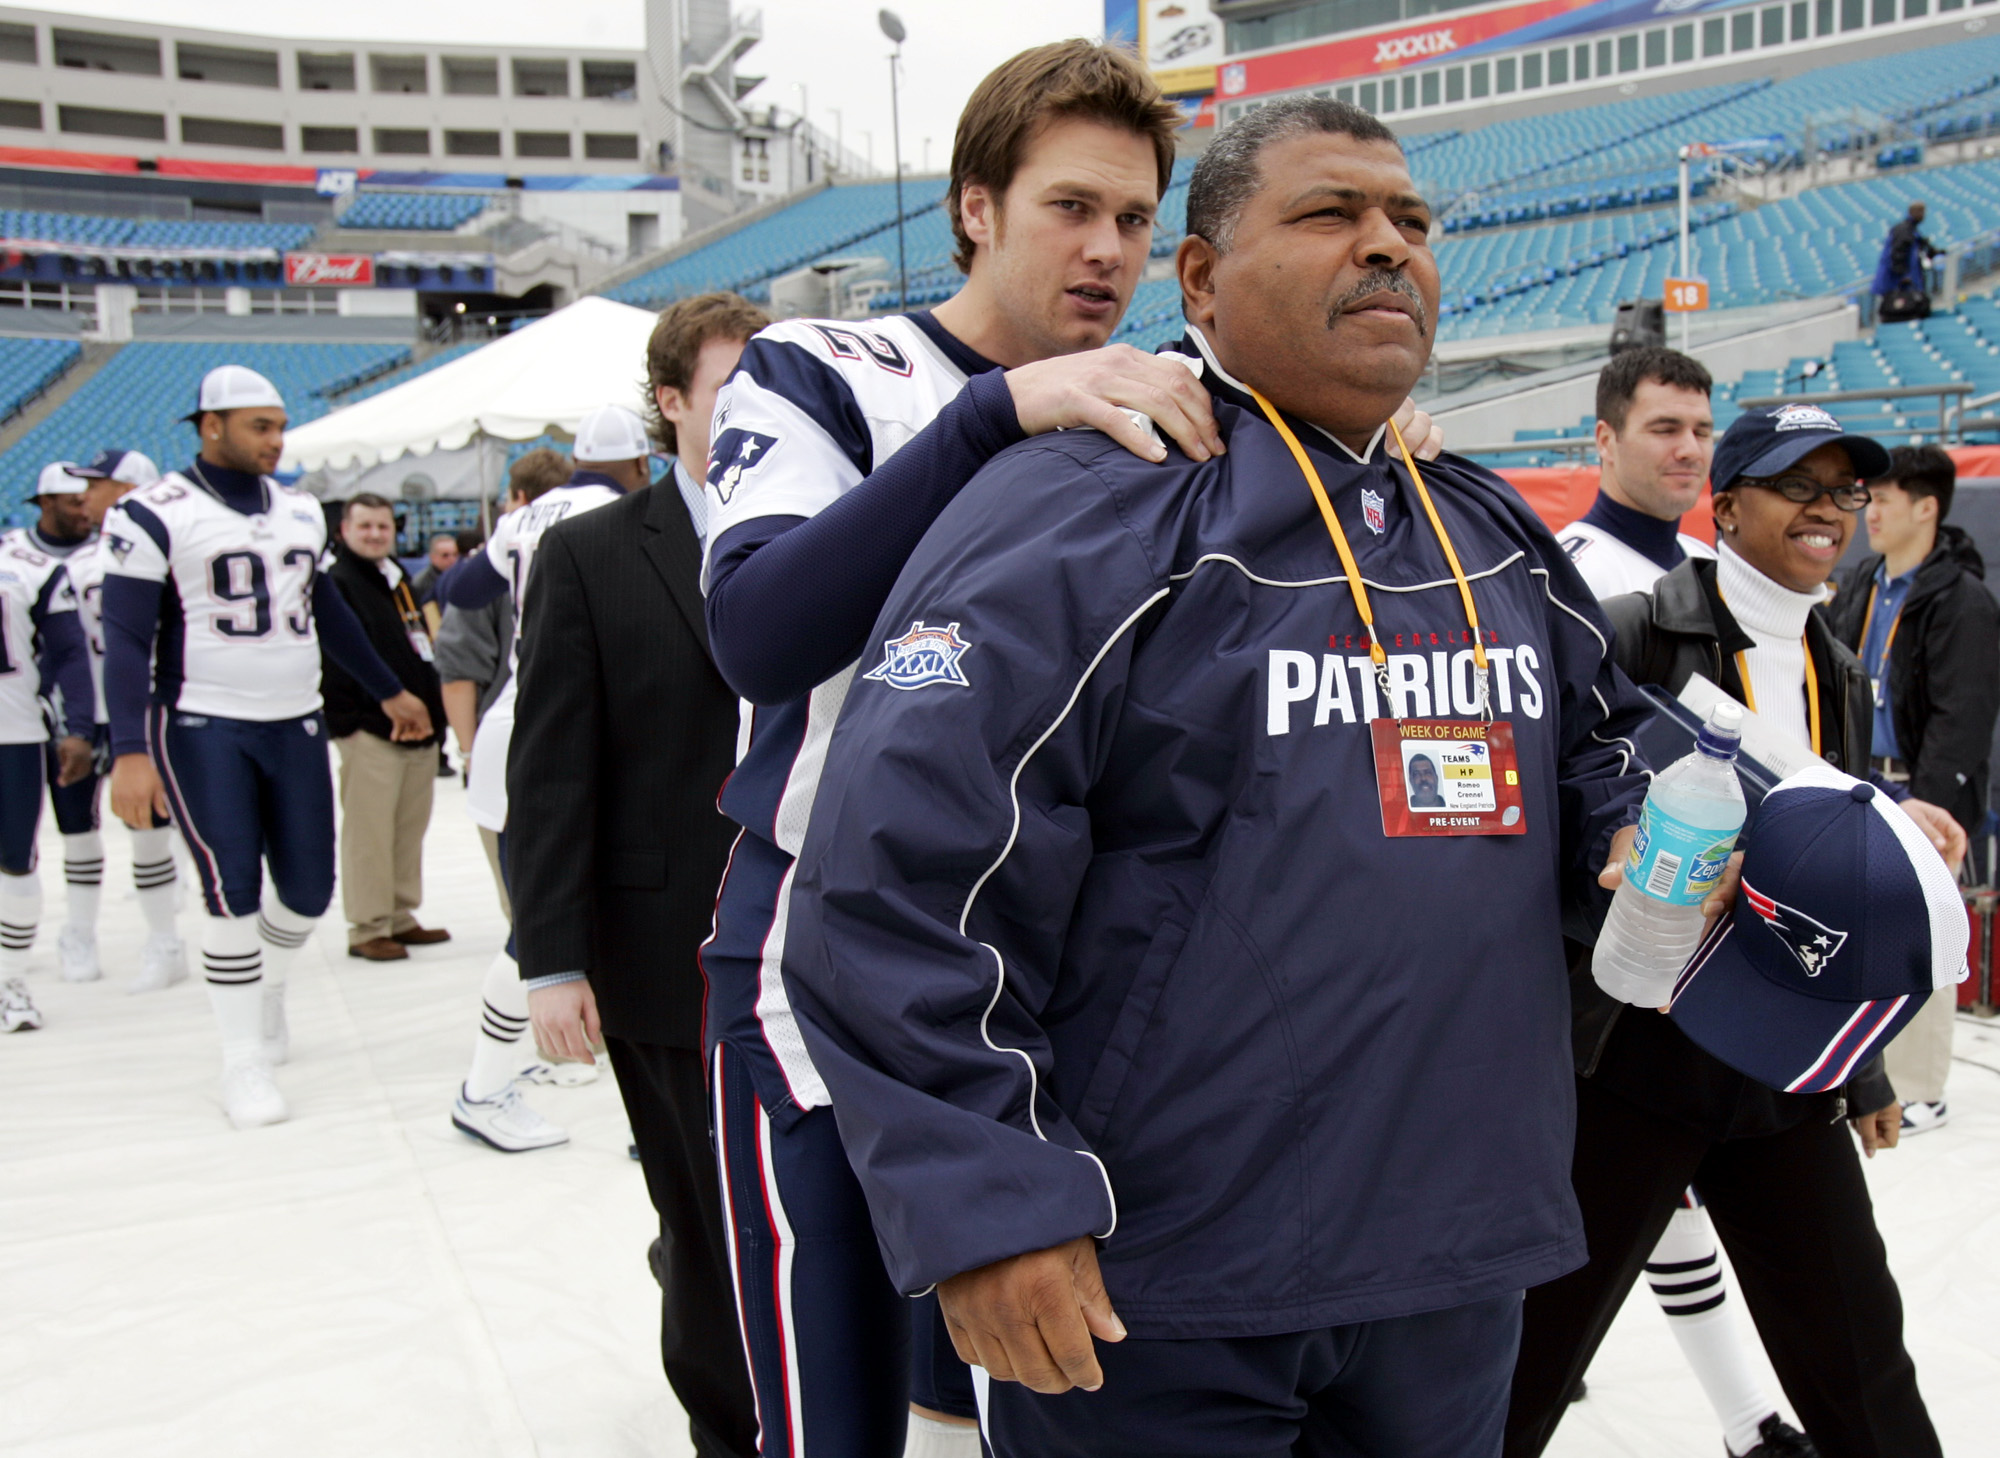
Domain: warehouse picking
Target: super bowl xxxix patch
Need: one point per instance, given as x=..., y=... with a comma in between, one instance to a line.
x=921, y=657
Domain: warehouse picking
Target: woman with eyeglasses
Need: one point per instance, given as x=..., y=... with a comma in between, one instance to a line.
x=1656, y=1114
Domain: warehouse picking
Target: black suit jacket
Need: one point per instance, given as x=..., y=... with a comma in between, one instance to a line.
x=623, y=736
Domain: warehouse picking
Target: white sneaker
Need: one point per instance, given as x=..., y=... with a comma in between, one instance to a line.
x=506, y=1122
x=76, y=954
x=250, y=1095
x=563, y=1073
x=18, y=1013
x=277, y=1035
x=1921, y=1118
x=161, y=964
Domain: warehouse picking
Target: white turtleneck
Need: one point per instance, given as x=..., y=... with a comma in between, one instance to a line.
x=1775, y=618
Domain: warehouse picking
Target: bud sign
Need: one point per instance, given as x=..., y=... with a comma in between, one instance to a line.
x=329, y=270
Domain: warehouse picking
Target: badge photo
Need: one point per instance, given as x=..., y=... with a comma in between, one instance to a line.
x=1447, y=777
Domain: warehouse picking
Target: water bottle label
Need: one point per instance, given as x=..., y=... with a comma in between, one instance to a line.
x=1676, y=863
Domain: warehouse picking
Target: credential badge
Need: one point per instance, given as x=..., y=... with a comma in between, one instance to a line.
x=922, y=656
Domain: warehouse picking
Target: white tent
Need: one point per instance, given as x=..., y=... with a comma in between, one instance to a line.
x=546, y=376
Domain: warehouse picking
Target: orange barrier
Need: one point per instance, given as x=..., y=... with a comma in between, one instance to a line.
x=1561, y=494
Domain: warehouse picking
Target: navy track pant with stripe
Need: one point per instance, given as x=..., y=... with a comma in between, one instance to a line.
x=827, y=1338
x=1433, y=1385
x=21, y=779
x=248, y=794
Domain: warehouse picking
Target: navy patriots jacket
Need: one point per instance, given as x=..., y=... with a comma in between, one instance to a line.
x=1096, y=929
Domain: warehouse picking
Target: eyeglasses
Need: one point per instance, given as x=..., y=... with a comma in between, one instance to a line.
x=1804, y=490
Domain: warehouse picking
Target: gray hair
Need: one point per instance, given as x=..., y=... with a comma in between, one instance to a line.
x=1227, y=176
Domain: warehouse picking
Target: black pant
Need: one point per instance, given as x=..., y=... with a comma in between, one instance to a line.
x=701, y=1342
x=1794, y=1214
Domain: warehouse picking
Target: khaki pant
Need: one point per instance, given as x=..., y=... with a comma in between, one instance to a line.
x=1919, y=1057
x=385, y=806
x=491, y=840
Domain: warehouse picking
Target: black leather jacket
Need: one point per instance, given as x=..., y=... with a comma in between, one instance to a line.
x=1665, y=637
x=1944, y=671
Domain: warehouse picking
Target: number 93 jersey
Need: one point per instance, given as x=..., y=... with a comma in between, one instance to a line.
x=236, y=635
x=33, y=585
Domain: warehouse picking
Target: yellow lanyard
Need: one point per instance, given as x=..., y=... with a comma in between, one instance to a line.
x=1376, y=652
x=1812, y=689
x=1882, y=668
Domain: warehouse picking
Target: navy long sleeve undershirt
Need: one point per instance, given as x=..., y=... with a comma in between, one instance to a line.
x=471, y=584
x=65, y=665
x=791, y=599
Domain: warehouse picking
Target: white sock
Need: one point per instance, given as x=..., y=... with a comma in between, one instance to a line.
x=283, y=931
x=930, y=1438
x=233, y=964
x=1685, y=1272
x=20, y=915
x=503, y=1017
x=83, y=872
x=153, y=876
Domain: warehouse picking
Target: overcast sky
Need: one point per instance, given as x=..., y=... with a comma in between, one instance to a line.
x=832, y=47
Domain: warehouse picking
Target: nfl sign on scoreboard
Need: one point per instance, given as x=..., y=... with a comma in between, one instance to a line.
x=329, y=270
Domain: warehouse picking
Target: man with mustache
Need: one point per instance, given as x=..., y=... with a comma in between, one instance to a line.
x=1099, y=937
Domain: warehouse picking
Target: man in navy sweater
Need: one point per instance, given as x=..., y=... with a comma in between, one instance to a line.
x=1103, y=937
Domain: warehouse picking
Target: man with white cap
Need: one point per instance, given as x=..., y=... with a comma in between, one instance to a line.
x=95, y=487
x=215, y=612
x=38, y=627
x=612, y=455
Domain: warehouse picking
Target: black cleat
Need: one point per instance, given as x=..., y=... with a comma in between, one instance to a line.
x=1777, y=1438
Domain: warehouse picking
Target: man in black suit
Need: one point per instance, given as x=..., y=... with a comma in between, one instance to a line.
x=622, y=738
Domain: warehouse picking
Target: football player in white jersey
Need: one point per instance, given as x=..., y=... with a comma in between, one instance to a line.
x=835, y=446
x=88, y=492
x=613, y=456
x=1655, y=437
x=215, y=613
x=41, y=651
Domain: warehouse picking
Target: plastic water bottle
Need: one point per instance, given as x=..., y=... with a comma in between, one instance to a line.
x=1692, y=816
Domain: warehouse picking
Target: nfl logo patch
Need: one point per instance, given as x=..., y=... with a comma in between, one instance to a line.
x=1371, y=512
x=922, y=656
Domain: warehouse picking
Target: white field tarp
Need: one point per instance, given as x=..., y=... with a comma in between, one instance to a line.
x=547, y=376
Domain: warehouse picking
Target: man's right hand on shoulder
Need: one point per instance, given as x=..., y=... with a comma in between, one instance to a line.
x=1094, y=389
x=1030, y=1318
x=137, y=795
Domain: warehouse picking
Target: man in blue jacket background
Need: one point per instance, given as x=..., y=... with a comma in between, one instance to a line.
x=1152, y=1009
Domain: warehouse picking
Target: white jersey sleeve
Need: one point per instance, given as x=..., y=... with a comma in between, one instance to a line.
x=86, y=580
x=33, y=587
x=1612, y=569
x=814, y=407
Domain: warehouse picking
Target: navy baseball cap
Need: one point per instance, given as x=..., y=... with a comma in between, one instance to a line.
x=1846, y=921
x=1767, y=440
x=130, y=468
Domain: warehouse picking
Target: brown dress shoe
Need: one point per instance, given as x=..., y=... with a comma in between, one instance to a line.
x=379, y=949
x=421, y=936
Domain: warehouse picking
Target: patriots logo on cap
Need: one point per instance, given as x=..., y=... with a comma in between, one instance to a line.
x=734, y=452
x=1812, y=942
x=1803, y=417
x=922, y=656
x=1372, y=513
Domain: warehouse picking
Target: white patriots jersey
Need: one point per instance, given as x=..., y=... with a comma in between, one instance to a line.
x=33, y=587
x=236, y=632
x=1612, y=569
x=782, y=444
x=510, y=551
x=814, y=408
x=86, y=579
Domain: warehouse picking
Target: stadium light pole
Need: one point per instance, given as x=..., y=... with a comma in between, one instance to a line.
x=892, y=27
x=1686, y=261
